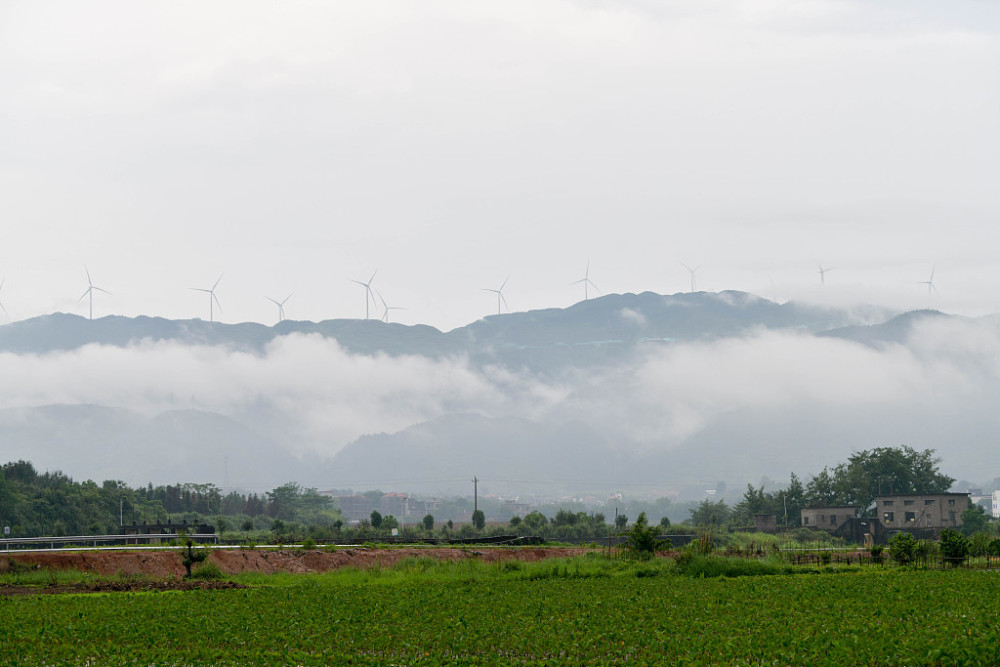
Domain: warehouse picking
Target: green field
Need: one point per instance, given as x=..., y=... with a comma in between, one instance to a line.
x=582, y=611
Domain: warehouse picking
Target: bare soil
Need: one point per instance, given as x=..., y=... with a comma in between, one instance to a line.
x=163, y=570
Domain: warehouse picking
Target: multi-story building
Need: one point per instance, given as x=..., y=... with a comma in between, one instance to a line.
x=829, y=519
x=921, y=511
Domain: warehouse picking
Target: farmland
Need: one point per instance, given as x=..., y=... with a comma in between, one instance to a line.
x=568, y=611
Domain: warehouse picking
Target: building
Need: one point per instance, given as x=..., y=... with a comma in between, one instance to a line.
x=924, y=513
x=355, y=508
x=996, y=504
x=829, y=519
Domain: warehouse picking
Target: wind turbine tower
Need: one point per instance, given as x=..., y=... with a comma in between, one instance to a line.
x=91, y=288
x=212, y=299
x=368, y=291
x=386, y=307
x=929, y=282
x=692, y=272
x=586, y=282
x=500, y=296
x=280, y=305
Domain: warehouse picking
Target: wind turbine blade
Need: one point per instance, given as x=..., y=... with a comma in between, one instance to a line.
x=373, y=277
x=593, y=285
x=273, y=301
x=217, y=281
x=89, y=281
x=84, y=295
x=216, y=301
x=101, y=290
x=4, y=310
x=287, y=298
x=500, y=294
x=504, y=282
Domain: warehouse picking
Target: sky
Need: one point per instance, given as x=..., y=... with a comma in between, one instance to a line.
x=293, y=147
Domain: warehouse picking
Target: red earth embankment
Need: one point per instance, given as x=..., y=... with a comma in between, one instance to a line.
x=231, y=561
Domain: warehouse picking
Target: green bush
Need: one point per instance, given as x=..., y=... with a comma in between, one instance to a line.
x=993, y=548
x=903, y=548
x=207, y=571
x=876, y=552
x=641, y=540
x=955, y=547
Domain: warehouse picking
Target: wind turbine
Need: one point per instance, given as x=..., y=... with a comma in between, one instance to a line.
x=499, y=293
x=212, y=299
x=368, y=290
x=386, y=307
x=91, y=288
x=586, y=281
x=692, y=272
x=929, y=282
x=1, y=302
x=280, y=305
x=822, y=273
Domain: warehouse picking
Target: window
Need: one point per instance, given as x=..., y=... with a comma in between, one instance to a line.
x=887, y=503
x=911, y=516
x=951, y=501
x=929, y=502
x=805, y=521
x=889, y=517
x=822, y=518
x=951, y=517
x=908, y=503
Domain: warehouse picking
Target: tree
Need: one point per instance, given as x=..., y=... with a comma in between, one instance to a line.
x=429, y=522
x=478, y=519
x=389, y=522
x=621, y=521
x=641, y=541
x=955, y=547
x=710, y=514
x=376, y=519
x=879, y=471
x=974, y=520
x=664, y=523
x=903, y=548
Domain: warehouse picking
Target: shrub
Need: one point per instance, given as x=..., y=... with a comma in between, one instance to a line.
x=903, y=548
x=309, y=543
x=955, y=547
x=876, y=552
x=641, y=540
x=993, y=548
x=208, y=571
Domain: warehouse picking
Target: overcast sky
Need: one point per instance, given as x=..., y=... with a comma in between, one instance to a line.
x=295, y=146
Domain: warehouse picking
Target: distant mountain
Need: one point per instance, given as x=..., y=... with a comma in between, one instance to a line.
x=587, y=366
x=896, y=330
x=597, y=331
x=178, y=446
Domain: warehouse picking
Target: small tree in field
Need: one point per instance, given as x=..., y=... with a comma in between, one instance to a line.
x=955, y=547
x=903, y=548
x=190, y=557
x=641, y=539
x=429, y=522
x=478, y=519
x=376, y=518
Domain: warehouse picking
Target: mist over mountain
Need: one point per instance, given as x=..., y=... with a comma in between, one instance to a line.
x=618, y=391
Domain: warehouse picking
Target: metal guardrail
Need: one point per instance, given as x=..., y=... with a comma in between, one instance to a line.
x=21, y=543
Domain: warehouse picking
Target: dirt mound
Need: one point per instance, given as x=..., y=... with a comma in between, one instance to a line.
x=231, y=561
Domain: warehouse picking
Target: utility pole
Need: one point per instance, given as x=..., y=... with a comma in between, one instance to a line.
x=475, y=494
